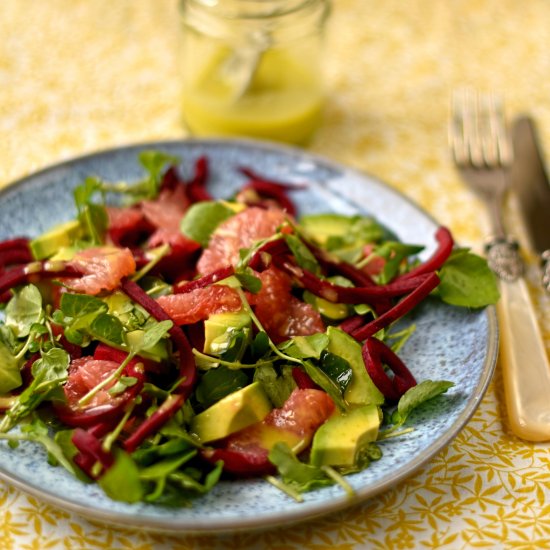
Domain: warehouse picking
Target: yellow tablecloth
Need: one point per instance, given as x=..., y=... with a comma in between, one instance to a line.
x=77, y=76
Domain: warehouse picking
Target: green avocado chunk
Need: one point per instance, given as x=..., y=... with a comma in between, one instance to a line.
x=220, y=328
x=361, y=390
x=339, y=441
x=323, y=226
x=57, y=237
x=232, y=413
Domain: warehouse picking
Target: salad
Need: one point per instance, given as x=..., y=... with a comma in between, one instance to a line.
x=163, y=340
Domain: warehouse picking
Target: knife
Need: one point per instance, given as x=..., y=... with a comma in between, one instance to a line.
x=532, y=189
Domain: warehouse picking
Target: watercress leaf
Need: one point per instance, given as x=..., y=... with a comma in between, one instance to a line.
x=260, y=345
x=189, y=482
x=302, y=477
x=148, y=337
x=249, y=281
x=51, y=368
x=324, y=381
x=122, y=384
x=107, y=328
x=81, y=305
x=63, y=439
x=306, y=347
x=10, y=375
x=36, y=430
x=155, y=162
x=202, y=218
x=164, y=467
x=278, y=387
x=24, y=310
x=394, y=253
x=154, y=333
x=337, y=368
x=219, y=382
x=121, y=481
x=417, y=395
x=84, y=192
x=466, y=280
x=302, y=254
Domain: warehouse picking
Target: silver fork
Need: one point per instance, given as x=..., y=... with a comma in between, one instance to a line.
x=483, y=154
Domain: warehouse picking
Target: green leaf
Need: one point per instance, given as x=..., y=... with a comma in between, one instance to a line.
x=306, y=347
x=92, y=217
x=37, y=431
x=219, y=382
x=300, y=476
x=302, y=254
x=155, y=162
x=202, y=218
x=24, y=310
x=326, y=383
x=417, y=395
x=249, y=281
x=467, y=281
x=337, y=368
x=10, y=375
x=278, y=387
x=148, y=337
x=81, y=305
x=394, y=253
x=121, y=481
x=164, y=467
x=107, y=328
x=49, y=373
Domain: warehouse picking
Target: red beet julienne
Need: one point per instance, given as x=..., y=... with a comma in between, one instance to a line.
x=402, y=307
x=271, y=189
x=439, y=257
x=188, y=371
x=375, y=355
x=206, y=280
x=33, y=272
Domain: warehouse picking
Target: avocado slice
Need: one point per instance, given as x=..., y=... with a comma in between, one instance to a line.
x=323, y=226
x=340, y=440
x=361, y=390
x=232, y=413
x=59, y=236
x=220, y=328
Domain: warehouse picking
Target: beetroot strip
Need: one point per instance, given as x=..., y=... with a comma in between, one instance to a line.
x=166, y=411
x=196, y=188
x=187, y=367
x=16, y=243
x=34, y=271
x=254, y=176
x=438, y=258
x=91, y=451
x=206, y=280
x=353, y=295
x=400, y=309
x=375, y=355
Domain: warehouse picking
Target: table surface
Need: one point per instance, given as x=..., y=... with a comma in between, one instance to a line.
x=76, y=77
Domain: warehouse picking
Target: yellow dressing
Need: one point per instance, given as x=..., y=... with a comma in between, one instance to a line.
x=283, y=100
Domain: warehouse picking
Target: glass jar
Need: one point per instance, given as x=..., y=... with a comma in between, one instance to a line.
x=253, y=67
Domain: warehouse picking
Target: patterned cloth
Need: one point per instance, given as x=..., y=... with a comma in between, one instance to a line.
x=80, y=76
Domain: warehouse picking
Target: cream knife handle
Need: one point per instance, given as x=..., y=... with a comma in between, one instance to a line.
x=525, y=365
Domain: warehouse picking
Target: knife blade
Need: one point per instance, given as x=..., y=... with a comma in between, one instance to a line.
x=532, y=188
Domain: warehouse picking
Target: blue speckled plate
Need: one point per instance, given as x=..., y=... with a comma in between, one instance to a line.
x=449, y=343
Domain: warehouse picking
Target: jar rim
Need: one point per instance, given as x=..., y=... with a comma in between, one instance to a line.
x=257, y=9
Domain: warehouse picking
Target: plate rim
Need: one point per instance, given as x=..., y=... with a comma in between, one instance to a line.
x=310, y=511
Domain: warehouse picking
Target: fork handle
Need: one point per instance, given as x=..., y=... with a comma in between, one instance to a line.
x=524, y=363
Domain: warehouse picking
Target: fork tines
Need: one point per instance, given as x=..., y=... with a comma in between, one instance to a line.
x=478, y=133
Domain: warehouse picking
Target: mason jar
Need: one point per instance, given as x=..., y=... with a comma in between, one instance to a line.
x=253, y=67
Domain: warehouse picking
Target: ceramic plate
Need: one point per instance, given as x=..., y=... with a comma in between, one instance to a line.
x=449, y=343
